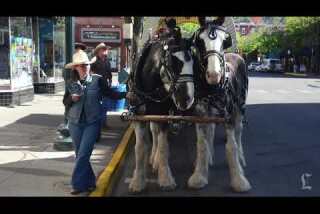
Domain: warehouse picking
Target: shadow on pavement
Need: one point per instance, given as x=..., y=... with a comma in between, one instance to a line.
x=281, y=143
x=26, y=147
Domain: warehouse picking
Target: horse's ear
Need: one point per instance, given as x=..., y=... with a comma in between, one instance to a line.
x=220, y=20
x=202, y=21
x=171, y=23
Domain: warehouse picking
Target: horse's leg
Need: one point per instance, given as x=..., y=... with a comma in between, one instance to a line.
x=239, y=182
x=211, y=143
x=199, y=178
x=138, y=181
x=165, y=178
x=238, y=131
x=154, y=153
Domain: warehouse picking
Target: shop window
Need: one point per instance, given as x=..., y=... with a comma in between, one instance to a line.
x=35, y=55
x=46, y=49
x=114, y=58
x=21, y=48
x=59, y=47
x=4, y=53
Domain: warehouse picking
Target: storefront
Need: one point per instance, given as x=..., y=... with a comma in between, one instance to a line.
x=50, y=47
x=16, y=53
x=32, y=57
x=94, y=30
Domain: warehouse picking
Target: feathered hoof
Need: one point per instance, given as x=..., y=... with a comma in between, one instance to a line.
x=197, y=181
x=167, y=184
x=240, y=184
x=136, y=185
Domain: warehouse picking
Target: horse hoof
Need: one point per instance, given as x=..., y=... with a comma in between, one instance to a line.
x=197, y=181
x=168, y=188
x=168, y=184
x=136, y=186
x=240, y=184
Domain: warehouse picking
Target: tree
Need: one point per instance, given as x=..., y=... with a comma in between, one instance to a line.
x=187, y=29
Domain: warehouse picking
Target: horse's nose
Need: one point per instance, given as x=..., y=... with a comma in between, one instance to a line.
x=213, y=77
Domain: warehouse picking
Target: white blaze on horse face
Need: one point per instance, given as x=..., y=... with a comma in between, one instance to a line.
x=213, y=73
x=187, y=68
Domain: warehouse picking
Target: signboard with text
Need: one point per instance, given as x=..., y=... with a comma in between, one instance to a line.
x=101, y=35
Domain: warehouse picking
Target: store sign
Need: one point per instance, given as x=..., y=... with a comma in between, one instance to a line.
x=100, y=35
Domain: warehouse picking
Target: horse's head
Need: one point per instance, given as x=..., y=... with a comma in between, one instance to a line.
x=180, y=66
x=211, y=40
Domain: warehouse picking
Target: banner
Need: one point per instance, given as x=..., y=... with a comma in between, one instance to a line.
x=21, y=62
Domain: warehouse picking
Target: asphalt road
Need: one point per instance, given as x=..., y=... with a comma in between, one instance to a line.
x=281, y=145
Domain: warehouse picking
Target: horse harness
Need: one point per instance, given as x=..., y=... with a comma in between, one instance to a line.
x=168, y=76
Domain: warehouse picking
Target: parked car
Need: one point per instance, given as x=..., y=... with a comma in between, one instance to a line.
x=271, y=65
x=260, y=68
x=253, y=65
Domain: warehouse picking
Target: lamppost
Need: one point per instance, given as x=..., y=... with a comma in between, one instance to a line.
x=287, y=63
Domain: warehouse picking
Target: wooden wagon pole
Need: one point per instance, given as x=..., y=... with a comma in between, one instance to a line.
x=167, y=118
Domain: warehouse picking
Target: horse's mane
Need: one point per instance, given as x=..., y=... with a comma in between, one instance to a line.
x=141, y=62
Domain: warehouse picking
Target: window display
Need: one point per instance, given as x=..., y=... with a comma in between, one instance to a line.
x=114, y=58
x=21, y=52
x=4, y=54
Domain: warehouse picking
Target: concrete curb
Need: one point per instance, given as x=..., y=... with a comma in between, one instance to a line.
x=105, y=180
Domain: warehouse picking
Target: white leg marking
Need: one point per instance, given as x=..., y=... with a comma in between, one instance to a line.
x=239, y=182
x=153, y=158
x=165, y=178
x=199, y=178
x=238, y=132
x=138, y=183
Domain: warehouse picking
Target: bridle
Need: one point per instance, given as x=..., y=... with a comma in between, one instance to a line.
x=203, y=56
x=168, y=76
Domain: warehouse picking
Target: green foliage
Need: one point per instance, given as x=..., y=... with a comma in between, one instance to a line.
x=187, y=29
x=298, y=32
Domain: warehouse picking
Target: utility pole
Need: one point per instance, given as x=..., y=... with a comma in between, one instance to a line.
x=69, y=29
x=63, y=141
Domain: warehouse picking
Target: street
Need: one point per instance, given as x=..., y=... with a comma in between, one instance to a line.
x=281, y=145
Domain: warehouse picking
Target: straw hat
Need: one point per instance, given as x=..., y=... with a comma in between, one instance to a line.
x=79, y=58
x=101, y=46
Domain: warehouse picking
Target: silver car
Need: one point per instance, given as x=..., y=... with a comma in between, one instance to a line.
x=253, y=65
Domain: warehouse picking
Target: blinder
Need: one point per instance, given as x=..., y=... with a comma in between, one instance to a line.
x=227, y=43
x=169, y=76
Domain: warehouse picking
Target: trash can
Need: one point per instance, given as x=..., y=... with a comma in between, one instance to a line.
x=120, y=105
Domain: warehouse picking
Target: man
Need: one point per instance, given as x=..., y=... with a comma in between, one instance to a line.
x=101, y=65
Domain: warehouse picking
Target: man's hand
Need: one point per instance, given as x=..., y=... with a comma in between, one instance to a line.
x=75, y=98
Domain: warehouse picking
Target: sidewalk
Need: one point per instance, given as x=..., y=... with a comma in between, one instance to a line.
x=29, y=166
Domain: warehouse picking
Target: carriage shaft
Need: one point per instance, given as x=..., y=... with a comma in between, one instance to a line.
x=167, y=118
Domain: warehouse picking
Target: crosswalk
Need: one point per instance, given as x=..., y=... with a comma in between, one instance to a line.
x=284, y=91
